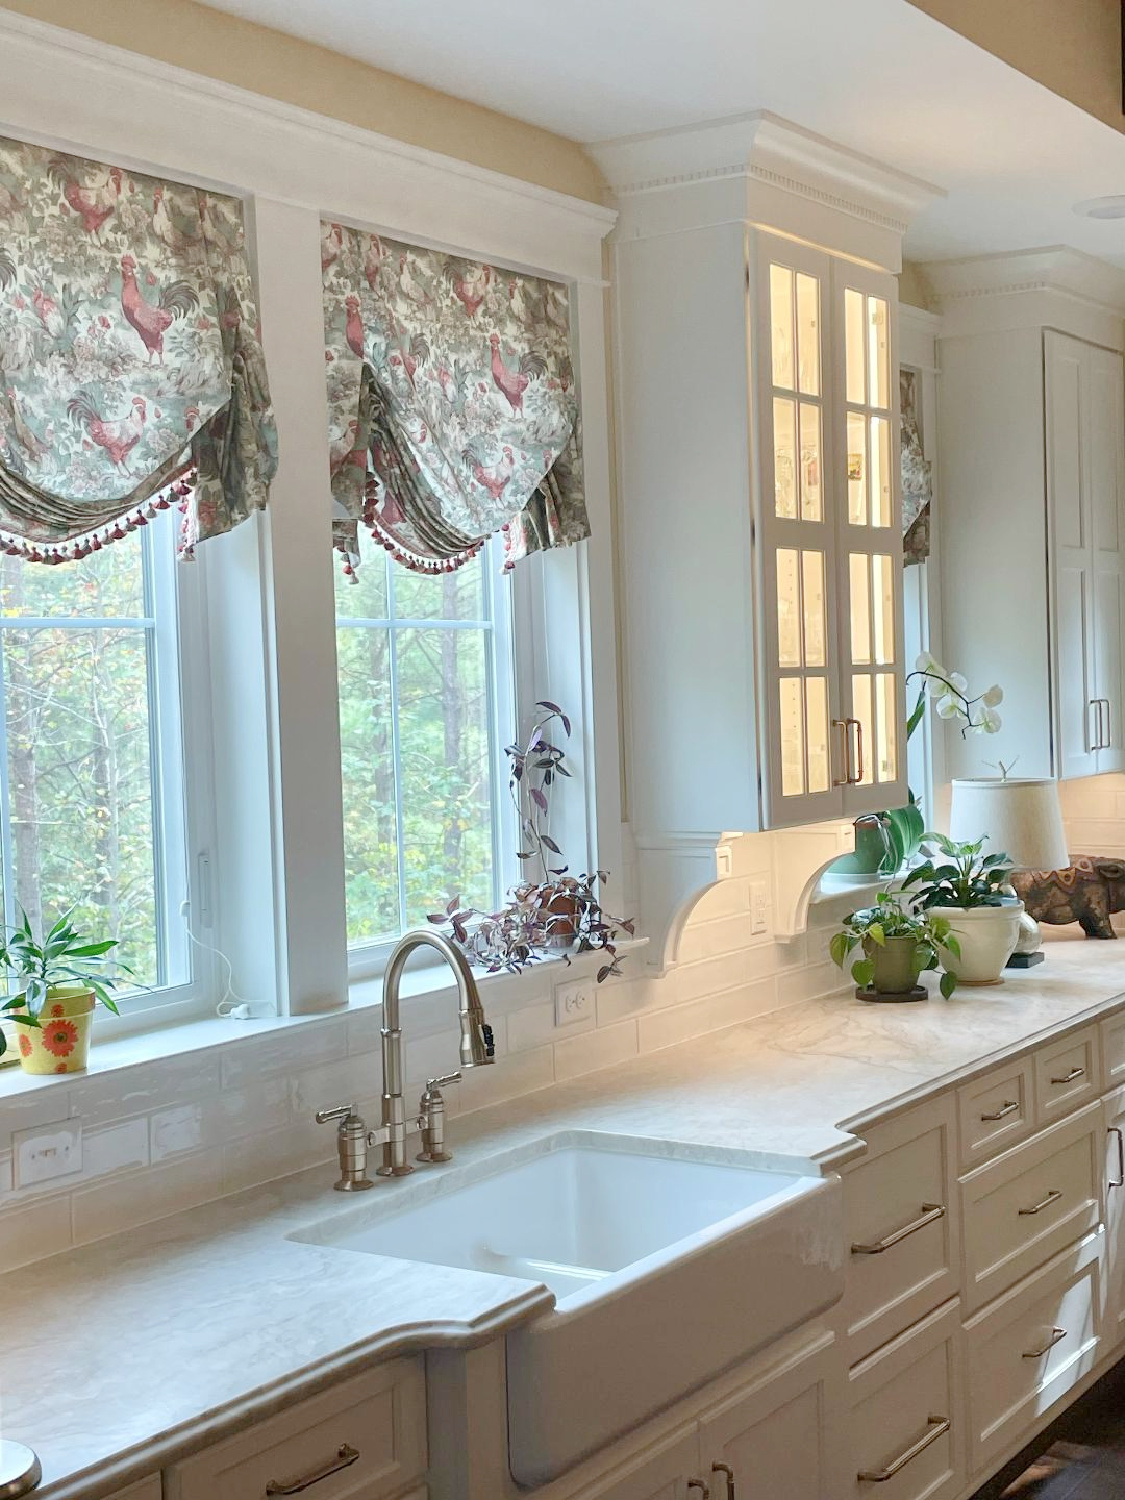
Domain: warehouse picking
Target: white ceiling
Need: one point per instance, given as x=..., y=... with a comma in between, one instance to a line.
x=878, y=76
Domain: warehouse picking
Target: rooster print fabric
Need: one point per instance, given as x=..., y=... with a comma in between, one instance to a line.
x=452, y=408
x=131, y=368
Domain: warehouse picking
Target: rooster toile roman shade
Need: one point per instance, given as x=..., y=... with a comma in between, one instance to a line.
x=131, y=369
x=452, y=408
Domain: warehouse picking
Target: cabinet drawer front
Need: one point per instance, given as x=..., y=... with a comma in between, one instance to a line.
x=1067, y=1075
x=904, y=1426
x=902, y=1229
x=995, y=1112
x=1025, y=1354
x=1031, y=1203
x=1113, y=1050
x=363, y=1439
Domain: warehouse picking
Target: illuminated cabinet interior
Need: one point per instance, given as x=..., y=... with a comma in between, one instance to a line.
x=757, y=383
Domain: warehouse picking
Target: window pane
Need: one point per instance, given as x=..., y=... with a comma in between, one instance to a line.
x=781, y=325
x=365, y=597
x=878, y=353
x=808, y=334
x=862, y=737
x=446, y=772
x=788, y=609
x=854, y=343
x=80, y=779
x=792, y=737
x=363, y=658
x=785, y=458
x=810, y=463
x=886, y=746
x=108, y=585
x=881, y=569
x=881, y=500
x=440, y=596
x=812, y=594
x=816, y=698
x=857, y=469
x=860, y=602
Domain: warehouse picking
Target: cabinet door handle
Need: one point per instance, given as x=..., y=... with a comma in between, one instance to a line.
x=1107, y=725
x=1037, y=1208
x=1115, y=1130
x=345, y=1457
x=845, y=753
x=1070, y=1077
x=855, y=778
x=931, y=1213
x=1097, y=737
x=1009, y=1107
x=728, y=1474
x=697, y=1484
x=1057, y=1336
x=935, y=1427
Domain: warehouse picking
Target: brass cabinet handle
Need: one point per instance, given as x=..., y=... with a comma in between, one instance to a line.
x=697, y=1484
x=1007, y=1108
x=1114, y=1130
x=1037, y=1208
x=728, y=1474
x=935, y=1427
x=1070, y=1077
x=345, y=1457
x=845, y=753
x=931, y=1213
x=1057, y=1335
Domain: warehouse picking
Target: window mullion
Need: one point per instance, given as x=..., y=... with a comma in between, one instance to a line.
x=396, y=749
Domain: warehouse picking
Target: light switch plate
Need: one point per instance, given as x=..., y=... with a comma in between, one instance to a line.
x=759, y=907
x=574, y=1002
x=47, y=1151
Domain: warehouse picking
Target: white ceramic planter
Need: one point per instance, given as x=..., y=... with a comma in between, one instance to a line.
x=987, y=937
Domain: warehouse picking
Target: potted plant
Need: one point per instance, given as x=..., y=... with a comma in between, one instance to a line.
x=60, y=981
x=558, y=913
x=898, y=947
x=970, y=890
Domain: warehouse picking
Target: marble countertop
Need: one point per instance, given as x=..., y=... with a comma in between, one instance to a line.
x=116, y=1358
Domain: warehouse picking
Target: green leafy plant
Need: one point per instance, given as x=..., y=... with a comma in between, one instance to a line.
x=65, y=956
x=872, y=927
x=959, y=875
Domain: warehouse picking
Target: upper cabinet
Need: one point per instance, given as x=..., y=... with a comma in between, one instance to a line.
x=1033, y=507
x=756, y=376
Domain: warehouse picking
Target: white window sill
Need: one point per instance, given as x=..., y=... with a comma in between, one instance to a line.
x=430, y=988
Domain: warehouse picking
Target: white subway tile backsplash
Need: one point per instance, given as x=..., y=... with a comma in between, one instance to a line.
x=115, y=1148
x=666, y=1027
x=34, y=1231
x=174, y=1131
x=122, y=1203
x=532, y=1027
x=303, y=1046
x=519, y=1073
x=591, y=1050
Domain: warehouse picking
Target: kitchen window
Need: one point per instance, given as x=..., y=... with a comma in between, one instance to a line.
x=427, y=705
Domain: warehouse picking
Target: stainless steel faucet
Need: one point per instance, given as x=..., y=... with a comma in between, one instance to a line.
x=477, y=1050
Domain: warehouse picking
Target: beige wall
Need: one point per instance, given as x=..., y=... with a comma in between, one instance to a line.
x=914, y=286
x=1072, y=47
x=235, y=51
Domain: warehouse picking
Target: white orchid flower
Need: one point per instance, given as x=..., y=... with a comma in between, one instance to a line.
x=949, y=708
x=990, y=721
x=992, y=696
x=960, y=682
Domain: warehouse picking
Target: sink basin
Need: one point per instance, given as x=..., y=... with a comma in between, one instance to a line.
x=666, y=1269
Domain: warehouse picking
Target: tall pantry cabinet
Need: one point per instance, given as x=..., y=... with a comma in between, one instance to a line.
x=754, y=282
x=1032, y=437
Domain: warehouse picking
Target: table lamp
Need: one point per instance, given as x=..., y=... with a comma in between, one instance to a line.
x=1022, y=819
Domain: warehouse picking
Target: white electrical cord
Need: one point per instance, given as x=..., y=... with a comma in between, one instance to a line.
x=231, y=1004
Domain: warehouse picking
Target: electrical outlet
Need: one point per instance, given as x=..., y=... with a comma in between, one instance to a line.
x=574, y=1002
x=47, y=1151
x=759, y=907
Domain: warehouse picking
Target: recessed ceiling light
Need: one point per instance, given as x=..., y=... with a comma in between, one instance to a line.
x=1112, y=207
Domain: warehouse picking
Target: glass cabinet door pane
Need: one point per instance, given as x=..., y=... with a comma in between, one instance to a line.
x=812, y=600
x=785, y=458
x=879, y=353
x=811, y=508
x=792, y=737
x=857, y=469
x=881, y=496
x=884, y=595
x=808, y=335
x=854, y=347
x=781, y=325
x=816, y=700
x=860, y=602
x=788, y=609
x=886, y=743
x=861, y=736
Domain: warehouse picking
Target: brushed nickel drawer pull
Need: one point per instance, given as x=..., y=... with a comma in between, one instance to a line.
x=728, y=1474
x=1037, y=1208
x=697, y=1484
x=1007, y=1108
x=1057, y=1336
x=935, y=1427
x=931, y=1213
x=1116, y=1130
x=1071, y=1076
x=345, y=1457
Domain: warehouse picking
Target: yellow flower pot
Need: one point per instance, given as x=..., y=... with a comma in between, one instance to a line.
x=61, y=1041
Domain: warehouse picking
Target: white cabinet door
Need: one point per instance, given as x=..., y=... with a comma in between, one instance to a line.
x=1113, y=1322
x=1107, y=538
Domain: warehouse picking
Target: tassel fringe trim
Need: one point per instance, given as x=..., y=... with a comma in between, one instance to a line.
x=50, y=553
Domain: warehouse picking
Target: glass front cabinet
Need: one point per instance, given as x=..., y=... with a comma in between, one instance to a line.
x=827, y=534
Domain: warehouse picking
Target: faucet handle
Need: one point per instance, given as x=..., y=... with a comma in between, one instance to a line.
x=352, y=1141
x=431, y=1119
x=337, y=1112
x=440, y=1083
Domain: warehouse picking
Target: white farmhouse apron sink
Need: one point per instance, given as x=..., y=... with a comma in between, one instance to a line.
x=665, y=1270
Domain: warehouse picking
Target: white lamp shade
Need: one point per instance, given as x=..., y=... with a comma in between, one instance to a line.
x=1022, y=819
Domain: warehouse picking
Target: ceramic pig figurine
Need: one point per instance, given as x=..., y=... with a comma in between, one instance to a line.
x=1086, y=893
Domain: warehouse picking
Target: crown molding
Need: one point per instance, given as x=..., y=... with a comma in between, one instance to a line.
x=70, y=91
x=1053, y=269
x=765, y=148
